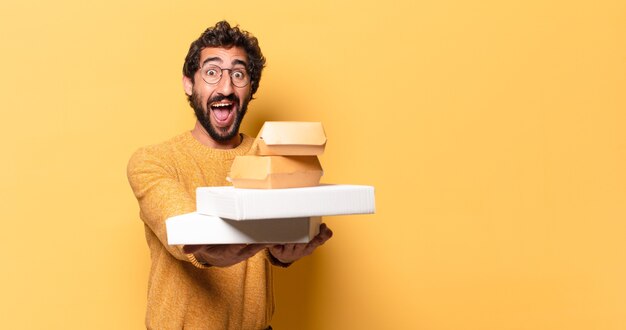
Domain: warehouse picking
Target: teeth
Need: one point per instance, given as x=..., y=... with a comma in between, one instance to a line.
x=221, y=105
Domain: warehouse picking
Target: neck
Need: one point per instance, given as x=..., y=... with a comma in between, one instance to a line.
x=200, y=134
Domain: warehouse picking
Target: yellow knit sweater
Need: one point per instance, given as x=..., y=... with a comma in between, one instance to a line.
x=181, y=292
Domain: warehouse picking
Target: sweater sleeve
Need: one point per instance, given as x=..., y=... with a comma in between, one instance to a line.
x=160, y=196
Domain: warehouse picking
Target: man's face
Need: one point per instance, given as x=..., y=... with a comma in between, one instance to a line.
x=219, y=107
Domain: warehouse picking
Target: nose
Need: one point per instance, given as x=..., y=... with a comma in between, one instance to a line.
x=225, y=85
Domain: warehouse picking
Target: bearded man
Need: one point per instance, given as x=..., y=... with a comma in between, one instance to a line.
x=208, y=286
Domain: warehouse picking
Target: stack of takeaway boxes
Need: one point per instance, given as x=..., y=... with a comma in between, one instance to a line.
x=276, y=196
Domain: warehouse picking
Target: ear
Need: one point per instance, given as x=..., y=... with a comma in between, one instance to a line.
x=187, y=85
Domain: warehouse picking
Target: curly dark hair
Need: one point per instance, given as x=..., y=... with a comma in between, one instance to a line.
x=223, y=35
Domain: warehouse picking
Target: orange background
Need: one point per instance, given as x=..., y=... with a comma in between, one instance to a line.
x=493, y=132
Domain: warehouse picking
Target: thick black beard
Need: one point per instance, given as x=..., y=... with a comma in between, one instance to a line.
x=203, y=118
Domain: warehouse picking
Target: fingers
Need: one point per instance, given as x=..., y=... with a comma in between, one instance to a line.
x=224, y=248
x=286, y=249
x=325, y=232
x=295, y=251
x=223, y=255
x=211, y=247
x=192, y=248
x=230, y=254
x=250, y=250
x=277, y=249
x=324, y=235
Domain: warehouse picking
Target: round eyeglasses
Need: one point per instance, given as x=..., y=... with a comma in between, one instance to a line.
x=212, y=74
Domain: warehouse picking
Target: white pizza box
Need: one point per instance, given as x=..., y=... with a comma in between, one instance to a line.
x=251, y=204
x=195, y=228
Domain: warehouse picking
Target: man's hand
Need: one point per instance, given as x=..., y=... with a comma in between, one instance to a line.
x=223, y=255
x=288, y=253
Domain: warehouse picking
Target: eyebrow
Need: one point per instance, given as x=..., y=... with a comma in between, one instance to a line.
x=217, y=59
x=235, y=62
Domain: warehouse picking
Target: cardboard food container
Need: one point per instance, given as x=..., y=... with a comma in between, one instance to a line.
x=290, y=138
x=272, y=172
x=254, y=204
x=195, y=228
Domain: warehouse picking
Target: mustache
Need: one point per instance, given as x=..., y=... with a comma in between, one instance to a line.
x=217, y=98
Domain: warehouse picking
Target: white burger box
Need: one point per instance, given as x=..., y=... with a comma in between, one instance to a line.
x=252, y=204
x=195, y=228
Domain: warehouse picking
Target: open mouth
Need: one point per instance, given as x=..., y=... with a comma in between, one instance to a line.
x=223, y=111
